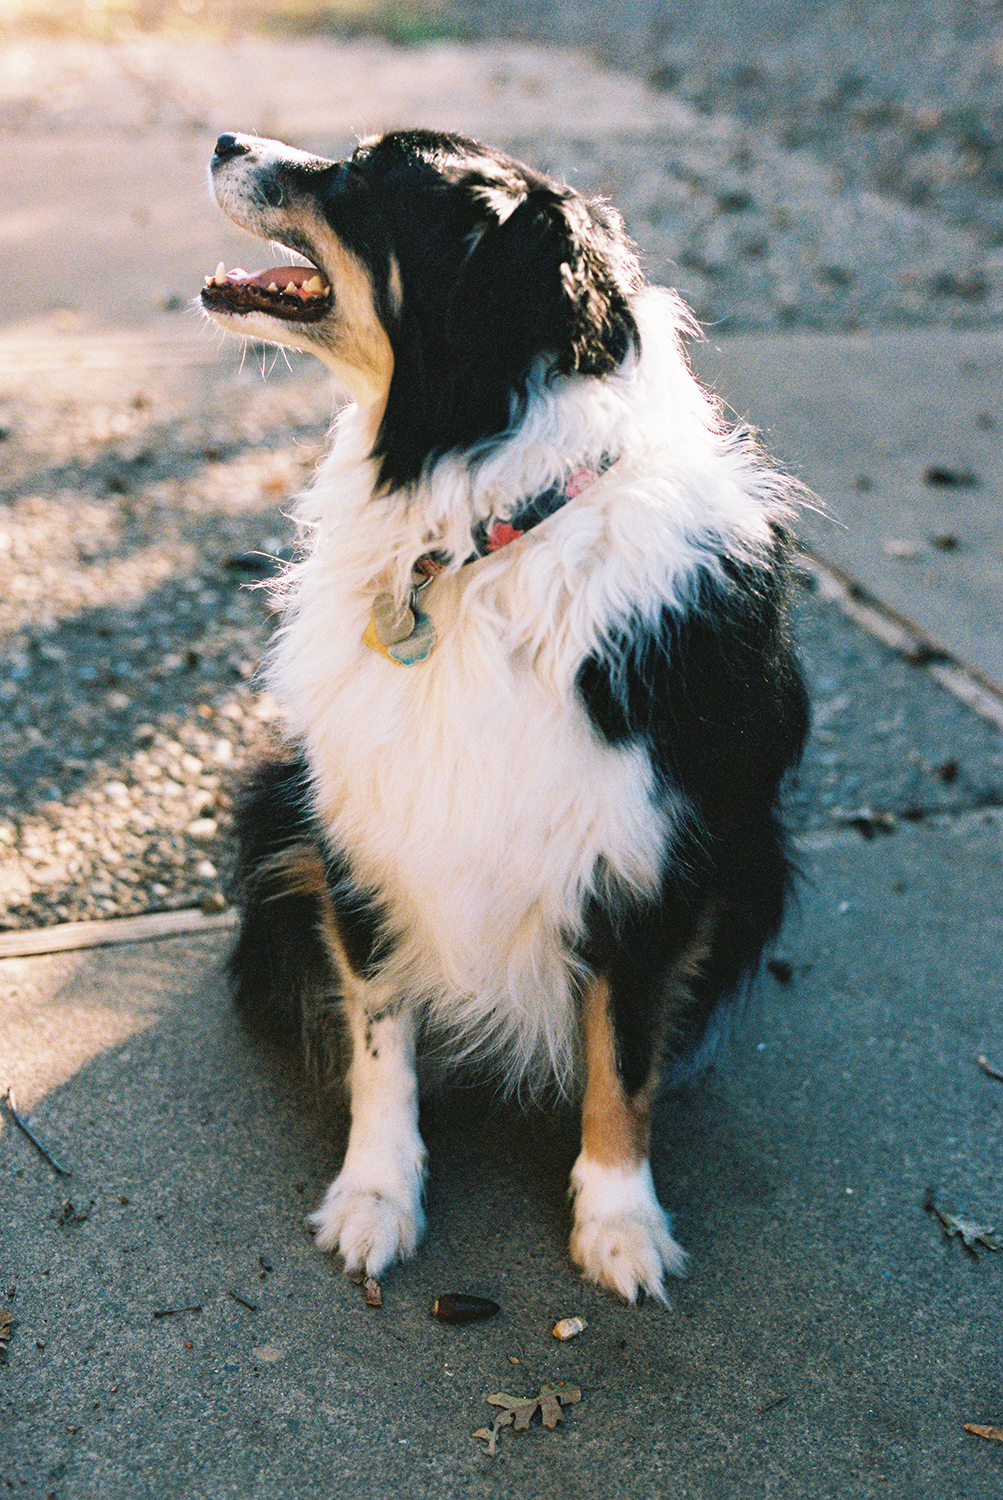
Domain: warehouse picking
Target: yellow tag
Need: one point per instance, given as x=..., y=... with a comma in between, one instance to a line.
x=372, y=640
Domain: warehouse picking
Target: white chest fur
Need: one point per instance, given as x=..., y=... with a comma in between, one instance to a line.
x=471, y=794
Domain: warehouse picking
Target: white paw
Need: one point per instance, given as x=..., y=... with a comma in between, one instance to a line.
x=621, y=1237
x=371, y=1223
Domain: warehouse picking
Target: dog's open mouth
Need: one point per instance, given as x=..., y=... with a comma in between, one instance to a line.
x=298, y=294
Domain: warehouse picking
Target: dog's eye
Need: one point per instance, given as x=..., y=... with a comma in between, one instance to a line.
x=272, y=190
x=347, y=176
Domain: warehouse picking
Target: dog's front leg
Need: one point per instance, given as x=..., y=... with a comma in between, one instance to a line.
x=621, y=1236
x=372, y=1212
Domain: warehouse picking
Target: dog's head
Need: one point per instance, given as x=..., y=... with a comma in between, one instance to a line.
x=442, y=278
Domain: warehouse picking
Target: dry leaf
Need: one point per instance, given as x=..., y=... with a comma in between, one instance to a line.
x=7, y=1326
x=550, y=1410
x=520, y=1407
x=518, y=1411
x=567, y=1395
x=523, y=1415
x=372, y=1292
x=971, y=1233
x=994, y=1434
x=490, y=1434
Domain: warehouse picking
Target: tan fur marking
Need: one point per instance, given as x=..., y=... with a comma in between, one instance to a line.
x=296, y=871
x=687, y=966
x=299, y=871
x=615, y=1128
x=353, y=337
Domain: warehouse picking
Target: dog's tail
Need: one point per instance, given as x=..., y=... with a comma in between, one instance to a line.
x=280, y=972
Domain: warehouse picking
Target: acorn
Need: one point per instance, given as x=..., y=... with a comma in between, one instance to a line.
x=461, y=1307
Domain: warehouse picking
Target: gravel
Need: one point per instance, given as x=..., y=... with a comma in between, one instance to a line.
x=138, y=508
x=756, y=236
x=132, y=634
x=904, y=100
x=837, y=166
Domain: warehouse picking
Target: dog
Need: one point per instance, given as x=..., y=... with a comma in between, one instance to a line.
x=535, y=661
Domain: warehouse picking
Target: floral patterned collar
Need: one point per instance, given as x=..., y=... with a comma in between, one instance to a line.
x=404, y=634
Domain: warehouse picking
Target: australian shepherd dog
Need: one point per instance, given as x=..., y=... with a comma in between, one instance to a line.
x=535, y=664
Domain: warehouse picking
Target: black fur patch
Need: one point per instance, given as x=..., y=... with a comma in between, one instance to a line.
x=359, y=919
x=498, y=266
x=716, y=698
x=279, y=955
x=280, y=971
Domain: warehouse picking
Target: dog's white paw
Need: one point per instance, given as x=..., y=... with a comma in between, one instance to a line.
x=621, y=1238
x=371, y=1222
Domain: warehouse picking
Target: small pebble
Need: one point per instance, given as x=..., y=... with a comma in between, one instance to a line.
x=569, y=1328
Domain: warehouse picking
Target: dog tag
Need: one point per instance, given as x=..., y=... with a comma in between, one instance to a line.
x=417, y=646
x=413, y=648
x=392, y=621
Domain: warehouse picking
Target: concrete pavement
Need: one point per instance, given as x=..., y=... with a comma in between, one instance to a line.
x=901, y=434
x=831, y=1340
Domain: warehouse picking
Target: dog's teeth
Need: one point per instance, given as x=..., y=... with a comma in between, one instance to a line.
x=220, y=276
x=315, y=286
x=272, y=287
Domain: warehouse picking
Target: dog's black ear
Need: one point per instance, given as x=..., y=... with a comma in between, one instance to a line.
x=552, y=277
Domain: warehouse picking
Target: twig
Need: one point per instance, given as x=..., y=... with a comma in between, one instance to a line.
x=772, y=1405
x=69, y=936
x=168, y=1312
x=22, y=1124
x=252, y=1306
x=987, y=1067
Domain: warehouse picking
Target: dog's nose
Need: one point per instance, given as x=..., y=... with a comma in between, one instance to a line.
x=231, y=145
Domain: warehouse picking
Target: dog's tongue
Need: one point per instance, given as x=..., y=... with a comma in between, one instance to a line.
x=295, y=294
x=280, y=277
x=306, y=281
